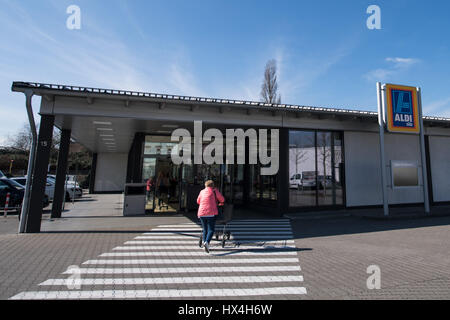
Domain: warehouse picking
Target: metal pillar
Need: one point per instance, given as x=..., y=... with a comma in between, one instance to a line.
x=33, y=223
x=380, y=98
x=423, y=155
x=283, y=173
x=61, y=171
x=30, y=170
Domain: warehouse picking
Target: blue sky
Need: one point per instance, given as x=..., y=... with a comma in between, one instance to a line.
x=326, y=55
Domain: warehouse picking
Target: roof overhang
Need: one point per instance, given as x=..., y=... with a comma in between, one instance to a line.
x=82, y=109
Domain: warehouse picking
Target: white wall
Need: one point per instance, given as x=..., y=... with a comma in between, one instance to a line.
x=440, y=167
x=111, y=171
x=362, y=168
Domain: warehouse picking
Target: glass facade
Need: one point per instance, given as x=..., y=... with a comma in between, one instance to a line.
x=315, y=168
x=315, y=175
x=263, y=189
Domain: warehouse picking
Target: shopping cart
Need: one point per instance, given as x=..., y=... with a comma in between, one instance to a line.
x=224, y=218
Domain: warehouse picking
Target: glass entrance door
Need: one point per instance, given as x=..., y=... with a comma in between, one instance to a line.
x=166, y=185
x=163, y=184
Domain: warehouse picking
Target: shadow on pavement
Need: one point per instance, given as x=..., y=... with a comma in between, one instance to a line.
x=353, y=225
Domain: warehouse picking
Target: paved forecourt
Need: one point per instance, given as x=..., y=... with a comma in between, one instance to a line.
x=260, y=261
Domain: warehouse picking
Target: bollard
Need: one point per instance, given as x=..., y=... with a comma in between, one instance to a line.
x=6, y=205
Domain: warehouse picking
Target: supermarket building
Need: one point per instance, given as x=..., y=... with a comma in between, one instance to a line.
x=328, y=158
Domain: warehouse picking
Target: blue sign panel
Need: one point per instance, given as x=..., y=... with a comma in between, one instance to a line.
x=402, y=109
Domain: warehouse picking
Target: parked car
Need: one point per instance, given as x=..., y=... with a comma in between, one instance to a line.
x=325, y=181
x=16, y=192
x=49, y=187
x=72, y=192
x=73, y=189
x=309, y=179
x=13, y=183
x=296, y=181
x=70, y=180
x=1, y=174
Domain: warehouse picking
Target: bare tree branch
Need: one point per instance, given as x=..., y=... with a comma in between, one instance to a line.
x=269, y=88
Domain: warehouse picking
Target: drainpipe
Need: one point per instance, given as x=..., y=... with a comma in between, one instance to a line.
x=30, y=171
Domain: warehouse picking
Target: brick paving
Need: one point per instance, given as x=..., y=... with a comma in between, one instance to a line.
x=246, y=268
x=413, y=256
x=333, y=255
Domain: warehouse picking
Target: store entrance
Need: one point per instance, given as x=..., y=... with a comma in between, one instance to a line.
x=229, y=179
x=163, y=184
x=174, y=188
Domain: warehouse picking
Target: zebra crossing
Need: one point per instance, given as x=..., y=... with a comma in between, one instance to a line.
x=259, y=260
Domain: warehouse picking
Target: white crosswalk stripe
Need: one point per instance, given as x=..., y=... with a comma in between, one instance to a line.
x=148, y=294
x=175, y=280
x=186, y=247
x=197, y=253
x=260, y=251
x=192, y=261
x=230, y=269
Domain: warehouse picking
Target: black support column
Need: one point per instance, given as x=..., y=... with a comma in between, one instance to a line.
x=134, y=166
x=61, y=171
x=44, y=143
x=92, y=174
x=283, y=172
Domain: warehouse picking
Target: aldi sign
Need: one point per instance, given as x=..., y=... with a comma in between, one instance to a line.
x=402, y=109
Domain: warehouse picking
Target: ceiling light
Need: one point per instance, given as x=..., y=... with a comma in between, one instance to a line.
x=169, y=126
x=104, y=129
x=106, y=123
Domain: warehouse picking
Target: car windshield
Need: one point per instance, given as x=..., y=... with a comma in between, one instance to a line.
x=22, y=182
x=13, y=184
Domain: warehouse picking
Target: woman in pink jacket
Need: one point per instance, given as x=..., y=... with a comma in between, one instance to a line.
x=207, y=210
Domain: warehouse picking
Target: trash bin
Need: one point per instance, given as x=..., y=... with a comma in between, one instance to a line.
x=134, y=199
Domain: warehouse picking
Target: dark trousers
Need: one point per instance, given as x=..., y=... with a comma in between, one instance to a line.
x=208, y=226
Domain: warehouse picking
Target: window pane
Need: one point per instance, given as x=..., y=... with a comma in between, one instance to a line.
x=302, y=169
x=324, y=169
x=338, y=168
x=316, y=169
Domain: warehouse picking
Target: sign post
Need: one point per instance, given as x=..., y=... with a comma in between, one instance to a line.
x=422, y=154
x=402, y=114
x=382, y=156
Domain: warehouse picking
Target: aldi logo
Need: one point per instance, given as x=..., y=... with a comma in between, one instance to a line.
x=402, y=113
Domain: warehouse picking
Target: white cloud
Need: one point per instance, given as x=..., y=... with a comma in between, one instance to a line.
x=396, y=66
x=403, y=61
x=92, y=57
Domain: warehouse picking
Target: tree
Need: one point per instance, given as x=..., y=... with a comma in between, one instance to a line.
x=324, y=155
x=22, y=139
x=269, y=88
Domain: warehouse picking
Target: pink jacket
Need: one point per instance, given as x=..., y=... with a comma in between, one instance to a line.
x=207, y=202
